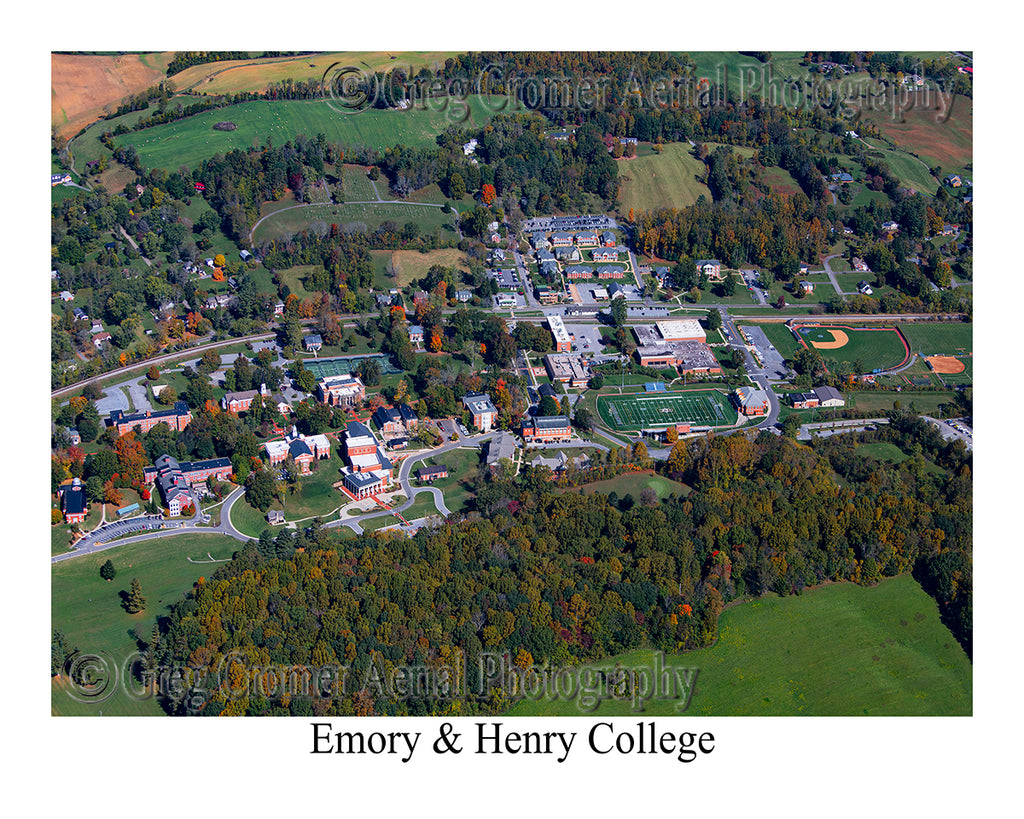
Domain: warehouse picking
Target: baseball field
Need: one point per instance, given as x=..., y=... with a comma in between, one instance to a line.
x=869, y=347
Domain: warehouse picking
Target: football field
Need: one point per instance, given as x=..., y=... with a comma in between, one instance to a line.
x=641, y=411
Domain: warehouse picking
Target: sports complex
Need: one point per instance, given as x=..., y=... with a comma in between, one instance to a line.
x=653, y=410
x=876, y=348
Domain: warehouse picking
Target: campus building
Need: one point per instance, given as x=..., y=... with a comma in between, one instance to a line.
x=177, y=418
x=751, y=401
x=546, y=428
x=483, y=411
x=567, y=368
x=818, y=397
x=72, y=502
x=303, y=449
x=563, y=343
x=241, y=401
x=369, y=471
x=341, y=390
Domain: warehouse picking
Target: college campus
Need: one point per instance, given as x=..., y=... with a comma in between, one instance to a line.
x=342, y=388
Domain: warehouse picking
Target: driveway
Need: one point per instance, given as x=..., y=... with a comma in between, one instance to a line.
x=113, y=398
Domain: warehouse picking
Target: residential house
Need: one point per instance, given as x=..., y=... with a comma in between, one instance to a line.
x=66, y=296
x=605, y=254
x=415, y=334
x=864, y=288
x=561, y=239
x=101, y=340
x=806, y=287
x=953, y=180
x=312, y=342
x=463, y=295
x=608, y=239
x=579, y=271
x=567, y=254
x=586, y=238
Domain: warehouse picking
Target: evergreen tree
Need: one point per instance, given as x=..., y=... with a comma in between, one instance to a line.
x=135, y=602
x=107, y=571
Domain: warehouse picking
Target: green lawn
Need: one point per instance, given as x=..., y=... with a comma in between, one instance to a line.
x=840, y=649
x=910, y=170
x=87, y=609
x=463, y=466
x=882, y=451
x=300, y=217
x=315, y=497
x=189, y=141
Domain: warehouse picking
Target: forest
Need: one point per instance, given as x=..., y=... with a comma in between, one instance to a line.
x=548, y=574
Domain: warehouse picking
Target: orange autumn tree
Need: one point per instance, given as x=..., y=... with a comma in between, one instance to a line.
x=436, y=343
x=131, y=457
x=488, y=194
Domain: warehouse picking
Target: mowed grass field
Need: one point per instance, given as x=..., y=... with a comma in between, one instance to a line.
x=874, y=348
x=940, y=338
x=189, y=141
x=910, y=170
x=840, y=650
x=780, y=336
x=291, y=220
x=666, y=180
x=872, y=402
x=648, y=410
x=87, y=609
x=233, y=76
x=411, y=265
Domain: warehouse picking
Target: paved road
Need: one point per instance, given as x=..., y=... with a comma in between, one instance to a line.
x=824, y=429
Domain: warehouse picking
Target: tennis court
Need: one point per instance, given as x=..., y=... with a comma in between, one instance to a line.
x=647, y=411
x=324, y=367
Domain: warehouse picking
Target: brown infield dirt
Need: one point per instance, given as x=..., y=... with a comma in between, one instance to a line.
x=946, y=364
x=839, y=339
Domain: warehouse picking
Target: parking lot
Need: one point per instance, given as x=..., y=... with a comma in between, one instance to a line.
x=586, y=338
x=774, y=367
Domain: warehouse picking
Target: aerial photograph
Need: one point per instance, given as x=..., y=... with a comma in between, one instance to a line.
x=627, y=385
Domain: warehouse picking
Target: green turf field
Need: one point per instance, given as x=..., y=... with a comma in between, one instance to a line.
x=840, y=649
x=780, y=336
x=650, y=410
x=874, y=348
x=188, y=141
